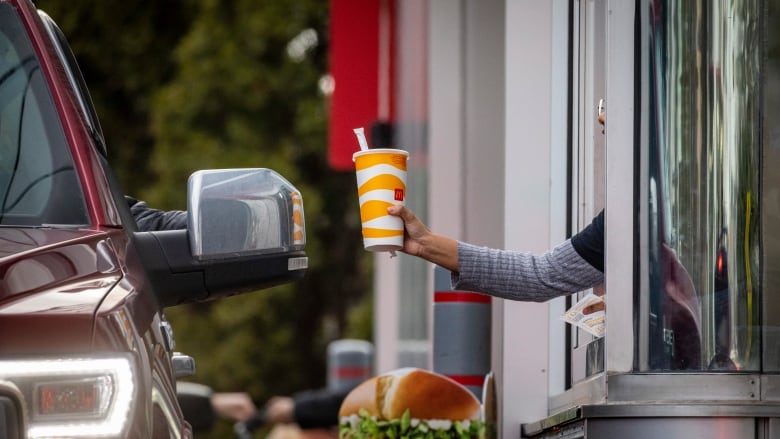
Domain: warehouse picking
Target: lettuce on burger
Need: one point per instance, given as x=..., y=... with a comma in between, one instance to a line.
x=410, y=403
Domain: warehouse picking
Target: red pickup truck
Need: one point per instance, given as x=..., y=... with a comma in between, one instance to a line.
x=85, y=349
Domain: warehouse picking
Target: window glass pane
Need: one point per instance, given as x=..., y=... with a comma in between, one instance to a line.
x=770, y=214
x=704, y=195
x=38, y=182
x=588, y=190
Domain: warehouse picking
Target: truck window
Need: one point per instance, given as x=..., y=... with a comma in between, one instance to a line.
x=39, y=185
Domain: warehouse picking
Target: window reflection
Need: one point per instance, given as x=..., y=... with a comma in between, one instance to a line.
x=704, y=185
x=770, y=208
x=38, y=181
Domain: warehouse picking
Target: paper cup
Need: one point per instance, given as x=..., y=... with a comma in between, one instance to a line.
x=381, y=182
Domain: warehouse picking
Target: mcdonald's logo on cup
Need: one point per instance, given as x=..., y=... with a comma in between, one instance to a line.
x=381, y=182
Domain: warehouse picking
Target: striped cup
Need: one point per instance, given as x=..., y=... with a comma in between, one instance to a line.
x=381, y=181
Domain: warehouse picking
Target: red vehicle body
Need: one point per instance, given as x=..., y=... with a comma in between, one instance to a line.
x=85, y=349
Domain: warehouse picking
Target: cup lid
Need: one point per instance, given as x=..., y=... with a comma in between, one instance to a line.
x=380, y=150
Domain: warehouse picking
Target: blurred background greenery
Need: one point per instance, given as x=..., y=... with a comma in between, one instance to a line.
x=182, y=85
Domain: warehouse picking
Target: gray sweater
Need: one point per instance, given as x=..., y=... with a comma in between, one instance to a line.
x=523, y=276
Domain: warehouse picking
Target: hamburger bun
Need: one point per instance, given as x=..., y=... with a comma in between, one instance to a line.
x=361, y=397
x=426, y=395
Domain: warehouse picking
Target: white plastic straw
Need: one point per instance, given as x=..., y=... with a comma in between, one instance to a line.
x=361, y=136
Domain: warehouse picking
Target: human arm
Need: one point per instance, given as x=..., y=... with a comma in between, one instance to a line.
x=574, y=265
x=280, y=410
x=148, y=219
x=237, y=406
x=309, y=409
x=570, y=267
x=524, y=276
x=420, y=241
x=317, y=408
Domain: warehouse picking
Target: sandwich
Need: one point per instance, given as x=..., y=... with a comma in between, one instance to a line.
x=410, y=403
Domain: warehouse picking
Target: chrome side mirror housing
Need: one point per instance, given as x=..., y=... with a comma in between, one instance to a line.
x=237, y=212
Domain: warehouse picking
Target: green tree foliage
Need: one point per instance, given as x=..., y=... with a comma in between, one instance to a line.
x=124, y=51
x=182, y=85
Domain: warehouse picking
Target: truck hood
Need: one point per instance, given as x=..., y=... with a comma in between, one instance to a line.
x=51, y=283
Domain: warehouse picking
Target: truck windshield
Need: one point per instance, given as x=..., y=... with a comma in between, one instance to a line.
x=39, y=185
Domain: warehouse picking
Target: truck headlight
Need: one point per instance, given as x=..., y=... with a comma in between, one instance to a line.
x=74, y=397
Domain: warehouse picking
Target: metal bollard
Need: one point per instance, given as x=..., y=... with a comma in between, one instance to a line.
x=350, y=362
x=461, y=333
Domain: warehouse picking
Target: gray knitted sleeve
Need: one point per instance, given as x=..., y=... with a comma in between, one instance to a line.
x=524, y=276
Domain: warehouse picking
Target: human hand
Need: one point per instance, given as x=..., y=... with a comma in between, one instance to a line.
x=414, y=230
x=421, y=242
x=280, y=410
x=596, y=307
x=602, y=115
x=598, y=290
x=237, y=406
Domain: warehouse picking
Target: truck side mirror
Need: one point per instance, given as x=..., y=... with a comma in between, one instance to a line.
x=237, y=212
x=246, y=232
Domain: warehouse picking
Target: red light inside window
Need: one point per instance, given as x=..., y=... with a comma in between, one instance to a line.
x=59, y=399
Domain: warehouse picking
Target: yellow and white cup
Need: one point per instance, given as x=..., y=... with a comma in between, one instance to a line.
x=381, y=182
